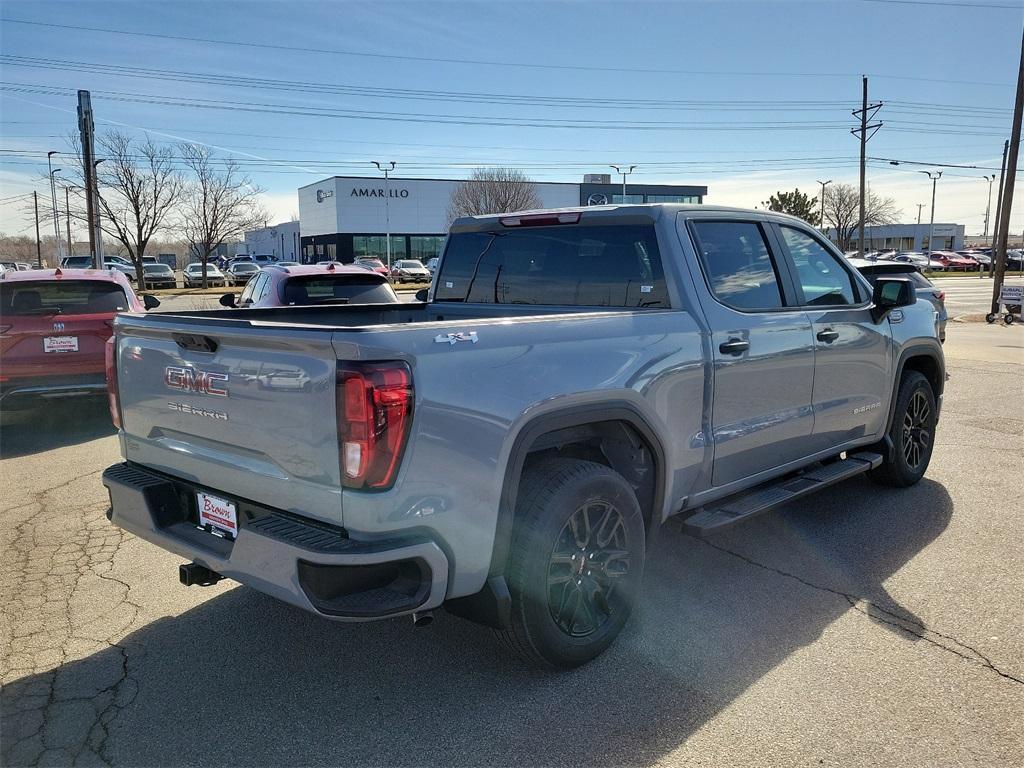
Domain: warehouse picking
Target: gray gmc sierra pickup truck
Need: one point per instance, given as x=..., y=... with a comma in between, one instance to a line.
x=506, y=446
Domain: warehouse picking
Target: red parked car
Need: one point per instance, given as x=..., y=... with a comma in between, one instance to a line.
x=54, y=325
x=374, y=265
x=329, y=283
x=954, y=262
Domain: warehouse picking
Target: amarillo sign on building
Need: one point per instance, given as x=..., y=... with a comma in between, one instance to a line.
x=345, y=217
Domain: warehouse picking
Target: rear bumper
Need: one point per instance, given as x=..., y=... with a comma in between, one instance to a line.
x=313, y=566
x=24, y=393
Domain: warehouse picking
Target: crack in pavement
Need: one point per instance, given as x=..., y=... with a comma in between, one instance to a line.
x=53, y=711
x=878, y=613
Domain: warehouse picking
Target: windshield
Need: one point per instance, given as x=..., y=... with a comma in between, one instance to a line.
x=198, y=269
x=64, y=297
x=351, y=289
x=156, y=269
x=374, y=263
x=244, y=267
x=410, y=265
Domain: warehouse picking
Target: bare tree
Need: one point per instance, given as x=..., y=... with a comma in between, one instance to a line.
x=139, y=189
x=221, y=203
x=493, y=190
x=842, y=211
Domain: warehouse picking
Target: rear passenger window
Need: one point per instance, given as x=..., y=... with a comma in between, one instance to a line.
x=824, y=281
x=592, y=266
x=737, y=264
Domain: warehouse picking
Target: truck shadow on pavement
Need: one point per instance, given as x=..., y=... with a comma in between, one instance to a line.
x=245, y=680
x=55, y=425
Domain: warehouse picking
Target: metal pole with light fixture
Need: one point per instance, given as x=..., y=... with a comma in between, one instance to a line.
x=988, y=207
x=821, y=223
x=931, y=225
x=53, y=202
x=387, y=206
x=67, y=214
x=625, y=173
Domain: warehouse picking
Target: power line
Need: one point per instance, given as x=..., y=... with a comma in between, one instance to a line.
x=947, y=4
x=575, y=102
x=473, y=62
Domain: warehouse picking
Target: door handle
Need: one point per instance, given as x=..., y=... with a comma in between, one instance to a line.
x=828, y=335
x=734, y=347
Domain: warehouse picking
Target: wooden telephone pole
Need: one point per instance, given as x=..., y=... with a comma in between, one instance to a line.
x=999, y=253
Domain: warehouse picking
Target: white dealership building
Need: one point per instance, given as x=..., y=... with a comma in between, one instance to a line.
x=344, y=217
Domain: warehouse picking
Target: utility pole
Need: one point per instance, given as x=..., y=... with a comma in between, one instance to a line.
x=821, y=223
x=39, y=246
x=96, y=206
x=625, y=173
x=919, y=207
x=387, y=206
x=1003, y=232
x=999, y=208
x=53, y=201
x=931, y=226
x=865, y=113
x=67, y=214
x=86, y=129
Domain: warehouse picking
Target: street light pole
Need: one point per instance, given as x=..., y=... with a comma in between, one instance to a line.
x=821, y=223
x=931, y=225
x=988, y=208
x=53, y=202
x=387, y=205
x=625, y=173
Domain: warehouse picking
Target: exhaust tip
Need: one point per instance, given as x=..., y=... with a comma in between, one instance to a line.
x=422, y=619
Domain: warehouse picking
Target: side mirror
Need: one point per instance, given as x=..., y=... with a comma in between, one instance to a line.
x=421, y=294
x=150, y=302
x=891, y=293
x=228, y=300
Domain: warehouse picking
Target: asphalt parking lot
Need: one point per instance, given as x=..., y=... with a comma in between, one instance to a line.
x=865, y=626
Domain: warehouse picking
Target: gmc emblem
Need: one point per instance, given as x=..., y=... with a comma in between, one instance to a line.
x=191, y=380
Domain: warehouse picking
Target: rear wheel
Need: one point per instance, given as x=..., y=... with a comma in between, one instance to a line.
x=912, y=433
x=576, y=562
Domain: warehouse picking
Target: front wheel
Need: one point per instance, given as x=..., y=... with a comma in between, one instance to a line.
x=576, y=562
x=912, y=433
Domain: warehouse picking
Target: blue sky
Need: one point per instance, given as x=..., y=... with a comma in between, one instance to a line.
x=745, y=97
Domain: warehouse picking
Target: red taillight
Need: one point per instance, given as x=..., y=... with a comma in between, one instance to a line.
x=113, y=398
x=374, y=407
x=940, y=295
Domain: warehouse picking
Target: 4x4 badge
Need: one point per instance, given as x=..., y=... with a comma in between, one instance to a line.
x=455, y=338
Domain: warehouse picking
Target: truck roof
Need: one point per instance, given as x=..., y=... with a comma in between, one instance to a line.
x=593, y=213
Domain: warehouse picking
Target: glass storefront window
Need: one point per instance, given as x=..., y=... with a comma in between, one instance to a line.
x=425, y=247
x=688, y=199
x=627, y=199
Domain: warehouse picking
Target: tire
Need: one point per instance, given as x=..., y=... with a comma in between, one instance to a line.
x=912, y=433
x=554, y=623
x=990, y=317
x=1008, y=319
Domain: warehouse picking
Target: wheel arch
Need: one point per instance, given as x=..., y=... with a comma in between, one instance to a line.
x=927, y=359
x=570, y=426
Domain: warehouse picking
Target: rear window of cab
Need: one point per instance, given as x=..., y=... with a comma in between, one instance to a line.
x=581, y=266
x=64, y=297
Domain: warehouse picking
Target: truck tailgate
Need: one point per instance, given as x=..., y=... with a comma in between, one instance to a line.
x=254, y=418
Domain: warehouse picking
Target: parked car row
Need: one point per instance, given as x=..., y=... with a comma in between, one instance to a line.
x=970, y=260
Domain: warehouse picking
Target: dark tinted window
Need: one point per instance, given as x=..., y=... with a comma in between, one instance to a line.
x=600, y=266
x=67, y=297
x=738, y=266
x=351, y=289
x=824, y=281
x=157, y=269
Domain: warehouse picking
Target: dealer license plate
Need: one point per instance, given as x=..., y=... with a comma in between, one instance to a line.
x=60, y=344
x=220, y=514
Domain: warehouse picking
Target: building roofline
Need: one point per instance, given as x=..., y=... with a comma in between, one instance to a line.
x=547, y=183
